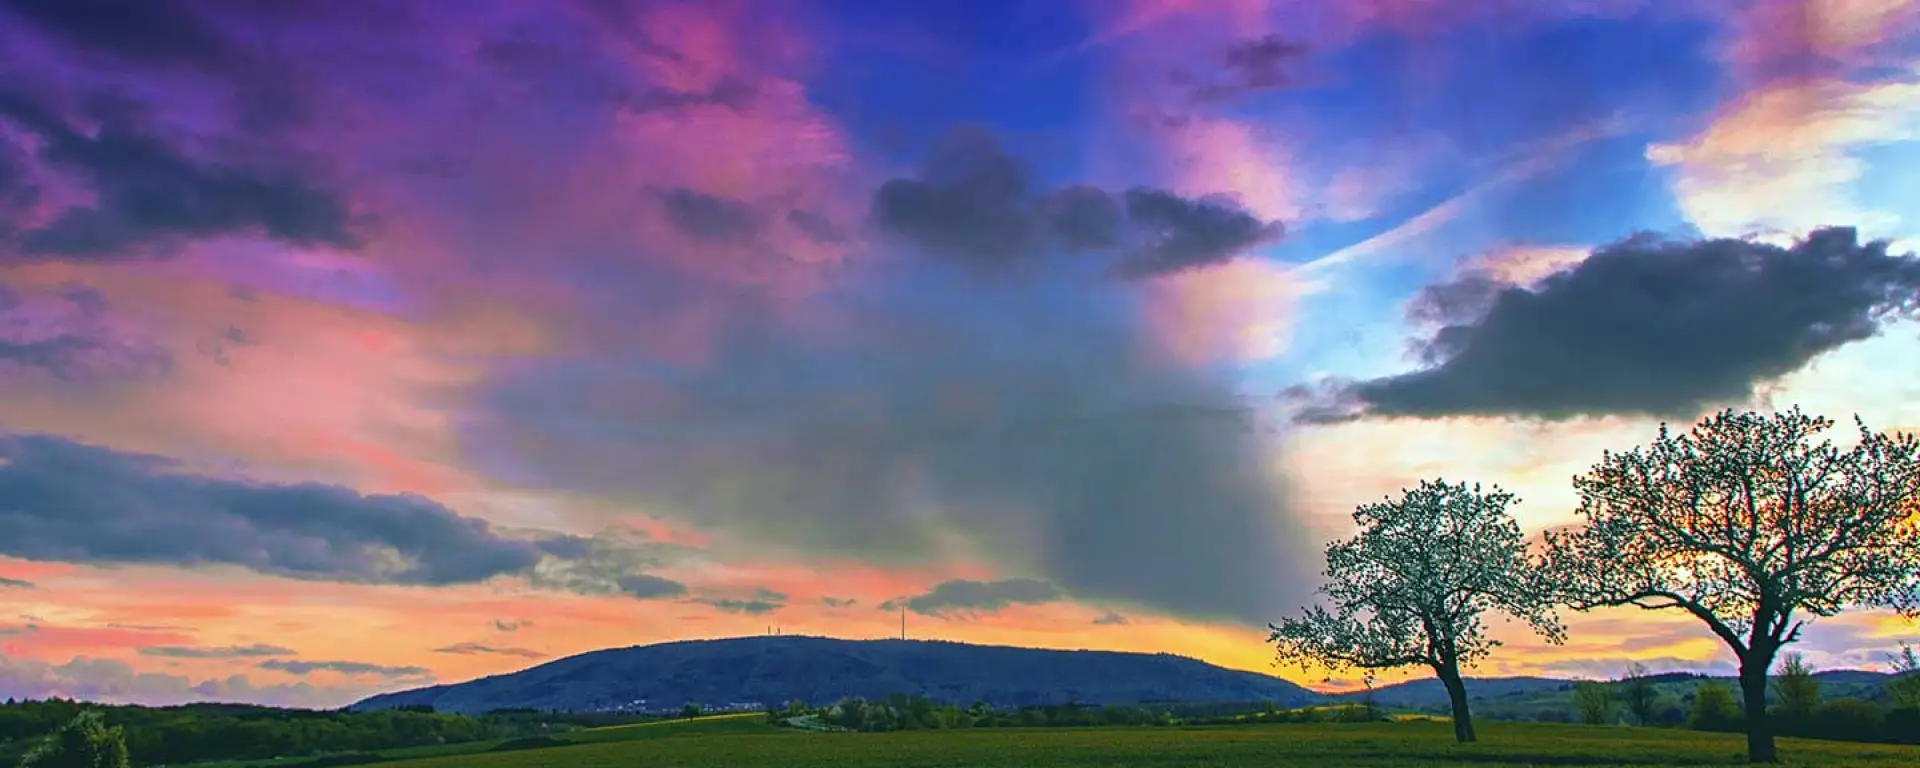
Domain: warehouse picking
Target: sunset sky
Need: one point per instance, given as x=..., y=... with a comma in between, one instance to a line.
x=350, y=346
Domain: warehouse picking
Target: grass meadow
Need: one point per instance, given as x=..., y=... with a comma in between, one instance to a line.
x=733, y=741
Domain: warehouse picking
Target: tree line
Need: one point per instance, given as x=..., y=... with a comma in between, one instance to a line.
x=1750, y=523
x=1798, y=707
x=38, y=733
x=904, y=712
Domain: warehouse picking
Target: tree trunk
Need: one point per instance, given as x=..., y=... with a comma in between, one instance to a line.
x=1753, y=688
x=1457, y=695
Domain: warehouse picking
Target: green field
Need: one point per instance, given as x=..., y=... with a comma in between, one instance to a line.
x=747, y=741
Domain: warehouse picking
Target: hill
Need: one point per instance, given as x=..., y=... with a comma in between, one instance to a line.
x=752, y=672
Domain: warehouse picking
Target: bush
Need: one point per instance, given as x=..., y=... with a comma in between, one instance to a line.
x=1847, y=720
x=84, y=742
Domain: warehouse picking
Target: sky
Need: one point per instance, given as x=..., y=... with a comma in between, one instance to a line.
x=346, y=347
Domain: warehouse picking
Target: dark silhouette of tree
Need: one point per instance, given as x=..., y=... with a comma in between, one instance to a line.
x=84, y=742
x=690, y=711
x=1638, y=695
x=1751, y=527
x=1412, y=586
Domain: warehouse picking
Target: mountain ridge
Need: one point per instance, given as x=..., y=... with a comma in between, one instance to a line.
x=768, y=670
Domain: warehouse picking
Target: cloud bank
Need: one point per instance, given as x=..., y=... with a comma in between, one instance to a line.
x=1643, y=327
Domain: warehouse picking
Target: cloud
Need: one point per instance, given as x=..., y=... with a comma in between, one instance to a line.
x=215, y=652
x=72, y=335
x=974, y=204
x=146, y=193
x=342, y=667
x=113, y=681
x=1795, y=155
x=611, y=563
x=1189, y=233
x=174, y=35
x=1111, y=619
x=763, y=601
x=80, y=503
x=511, y=625
x=15, y=583
x=708, y=217
x=838, y=602
x=1252, y=65
x=1613, y=668
x=1642, y=327
x=472, y=649
x=968, y=597
x=894, y=419
x=648, y=587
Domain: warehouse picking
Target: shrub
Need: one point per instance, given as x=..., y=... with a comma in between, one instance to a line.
x=1846, y=720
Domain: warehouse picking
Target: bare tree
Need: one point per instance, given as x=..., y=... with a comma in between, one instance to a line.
x=1594, y=699
x=1412, y=587
x=1638, y=694
x=1752, y=528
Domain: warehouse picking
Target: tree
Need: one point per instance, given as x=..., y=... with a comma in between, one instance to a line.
x=1411, y=588
x=690, y=711
x=1797, y=691
x=1595, y=702
x=1639, y=696
x=84, y=742
x=1713, y=709
x=1904, y=688
x=1753, y=529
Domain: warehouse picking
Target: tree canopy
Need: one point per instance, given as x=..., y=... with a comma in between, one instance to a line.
x=1413, y=586
x=1751, y=526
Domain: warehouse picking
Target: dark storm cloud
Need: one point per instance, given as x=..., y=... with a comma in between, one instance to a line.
x=511, y=625
x=964, y=596
x=709, y=217
x=838, y=602
x=763, y=601
x=342, y=667
x=72, y=502
x=900, y=416
x=1183, y=233
x=215, y=652
x=973, y=203
x=15, y=583
x=148, y=193
x=1650, y=327
x=1111, y=619
x=481, y=649
x=70, y=336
